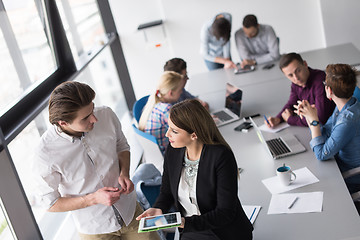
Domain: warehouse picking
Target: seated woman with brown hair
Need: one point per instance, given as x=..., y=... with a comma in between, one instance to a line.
x=200, y=178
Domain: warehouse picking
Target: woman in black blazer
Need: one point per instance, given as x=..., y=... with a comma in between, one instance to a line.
x=200, y=178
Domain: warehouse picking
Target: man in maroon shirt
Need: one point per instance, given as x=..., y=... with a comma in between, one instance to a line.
x=307, y=83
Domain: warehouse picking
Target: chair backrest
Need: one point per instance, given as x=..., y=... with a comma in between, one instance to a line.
x=151, y=192
x=357, y=93
x=138, y=107
x=152, y=153
x=147, y=181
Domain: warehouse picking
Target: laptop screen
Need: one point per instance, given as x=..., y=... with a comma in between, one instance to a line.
x=258, y=131
x=233, y=99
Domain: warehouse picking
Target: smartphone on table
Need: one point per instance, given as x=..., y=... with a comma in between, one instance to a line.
x=243, y=127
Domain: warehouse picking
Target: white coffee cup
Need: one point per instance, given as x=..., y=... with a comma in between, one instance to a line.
x=285, y=175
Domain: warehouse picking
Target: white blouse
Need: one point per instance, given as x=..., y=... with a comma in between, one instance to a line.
x=187, y=189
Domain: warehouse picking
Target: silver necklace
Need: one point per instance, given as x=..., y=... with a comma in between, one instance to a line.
x=191, y=169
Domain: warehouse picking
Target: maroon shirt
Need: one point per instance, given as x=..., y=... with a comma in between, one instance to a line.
x=314, y=92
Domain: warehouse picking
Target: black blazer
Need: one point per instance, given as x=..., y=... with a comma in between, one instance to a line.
x=216, y=192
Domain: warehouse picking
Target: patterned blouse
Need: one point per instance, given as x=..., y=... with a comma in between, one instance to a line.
x=157, y=124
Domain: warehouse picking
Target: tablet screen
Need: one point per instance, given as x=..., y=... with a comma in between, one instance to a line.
x=161, y=221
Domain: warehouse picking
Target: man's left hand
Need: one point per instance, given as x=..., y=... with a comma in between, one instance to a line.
x=286, y=114
x=126, y=184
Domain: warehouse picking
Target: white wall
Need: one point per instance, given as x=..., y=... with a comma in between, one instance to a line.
x=144, y=61
x=341, y=21
x=297, y=23
x=293, y=22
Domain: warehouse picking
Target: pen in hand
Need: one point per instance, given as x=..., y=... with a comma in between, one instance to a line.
x=293, y=202
x=267, y=120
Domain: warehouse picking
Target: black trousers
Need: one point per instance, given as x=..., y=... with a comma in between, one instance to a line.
x=203, y=235
x=209, y=235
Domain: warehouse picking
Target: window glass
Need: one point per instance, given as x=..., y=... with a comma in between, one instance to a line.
x=9, y=78
x=21, y=151
x=83, y=25
x=6, y=232
x=102, y=76
x=22, y=40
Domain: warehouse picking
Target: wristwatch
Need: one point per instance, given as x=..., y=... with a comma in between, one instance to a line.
x=314, y=123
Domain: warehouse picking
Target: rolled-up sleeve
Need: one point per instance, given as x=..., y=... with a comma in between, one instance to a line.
x=204, y=43
x=47, y=183
x=121, y=141
x=226, y=50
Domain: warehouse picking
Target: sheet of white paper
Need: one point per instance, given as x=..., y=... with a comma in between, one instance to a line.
x=277, y=128
x=306, y=202
x=303, y=177
x=251, y=212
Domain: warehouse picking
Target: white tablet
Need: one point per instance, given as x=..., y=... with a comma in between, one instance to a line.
x=154, y=223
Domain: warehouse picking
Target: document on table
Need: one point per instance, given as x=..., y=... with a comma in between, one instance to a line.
x=275, y=129
x=304, y=203
x=303, y=177
x=251, y=212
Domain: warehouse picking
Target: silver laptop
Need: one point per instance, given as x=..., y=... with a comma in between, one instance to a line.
x=231, y=111
x=280, y=145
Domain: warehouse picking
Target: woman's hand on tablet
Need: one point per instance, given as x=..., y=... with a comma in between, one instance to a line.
x=150, y=212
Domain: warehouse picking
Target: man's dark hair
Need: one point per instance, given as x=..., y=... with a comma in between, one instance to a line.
x=176, y=65
x=250, y=21
x=286, y=59
x=221, y=28
x=67, y=99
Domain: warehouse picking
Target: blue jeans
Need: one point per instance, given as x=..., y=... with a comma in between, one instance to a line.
x=213, y=65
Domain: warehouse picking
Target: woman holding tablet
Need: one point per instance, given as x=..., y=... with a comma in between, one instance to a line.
x=200, y=178
x=340, y=136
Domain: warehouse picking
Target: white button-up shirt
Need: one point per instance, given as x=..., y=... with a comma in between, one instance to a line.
x=66, y=166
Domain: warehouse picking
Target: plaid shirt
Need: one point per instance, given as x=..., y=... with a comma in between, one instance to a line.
x=157, y=124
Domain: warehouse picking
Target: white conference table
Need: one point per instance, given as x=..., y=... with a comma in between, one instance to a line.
x=339, y=218
x=317, y=59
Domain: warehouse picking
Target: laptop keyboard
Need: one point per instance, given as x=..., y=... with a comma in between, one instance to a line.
x=277, y=147
x=223, y=116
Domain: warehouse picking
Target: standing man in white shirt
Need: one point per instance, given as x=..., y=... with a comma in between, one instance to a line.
x=82, y=165
x=256, y=43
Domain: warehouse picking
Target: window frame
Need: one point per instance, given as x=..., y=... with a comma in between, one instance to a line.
x=35, y=99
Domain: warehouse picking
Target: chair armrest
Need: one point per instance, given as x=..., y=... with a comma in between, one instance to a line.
x=356, y=196
x=351, y=172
